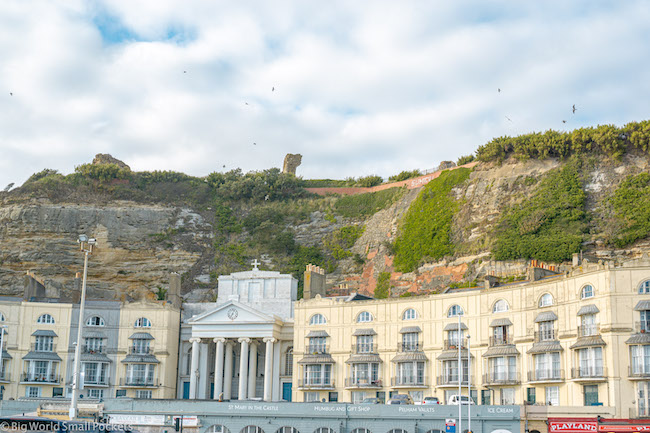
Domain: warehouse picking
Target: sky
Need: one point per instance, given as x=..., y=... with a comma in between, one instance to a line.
x=356, y=87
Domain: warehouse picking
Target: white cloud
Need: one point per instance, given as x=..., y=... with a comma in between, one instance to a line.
x=359, y=89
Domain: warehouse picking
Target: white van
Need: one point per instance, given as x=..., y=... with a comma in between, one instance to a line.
x=463, y=399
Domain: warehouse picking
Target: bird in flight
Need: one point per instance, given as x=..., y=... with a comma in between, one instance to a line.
x=574, y=108
x=11, y=94
x=254, y=144
x=224, y=166
x=246, y=103
x=185, y=72
x=272, y=89
x=499, y=90
x=564, y=121
x=508, y=118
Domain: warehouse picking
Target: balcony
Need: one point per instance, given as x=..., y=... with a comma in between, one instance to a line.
x=548, y=335
x=453, y=344
x=362, y=383
x=135, y=350
x=502, y=340
x=139, y=382
x=501, y=378
x=409, y=347
x=546, y=375
x=451, y=380
x=99, y=381
x=642, y=327
x=364, y=348
x=94, y=350
x=638, y=372
x=589, y=373
x=40, y=378
x=43, y=347
x=316, y=383
x=588, y=330
x=409, y=381
x=317, y=349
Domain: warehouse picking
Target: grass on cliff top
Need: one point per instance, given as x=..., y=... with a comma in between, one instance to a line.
x=548, y=226
x=631, y=207
x=425, y=229
x=363, y=205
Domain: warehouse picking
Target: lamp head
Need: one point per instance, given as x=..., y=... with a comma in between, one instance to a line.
x=82, y=239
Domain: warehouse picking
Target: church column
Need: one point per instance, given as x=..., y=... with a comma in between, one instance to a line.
x=218, y=368
x=252, y=370
x=243, y=368
x=227, y=372
x=194, y=373
x=268, y=369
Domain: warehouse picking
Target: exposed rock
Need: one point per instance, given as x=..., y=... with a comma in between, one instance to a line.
x=105, y=158
x=446, y=164
x=291, y=162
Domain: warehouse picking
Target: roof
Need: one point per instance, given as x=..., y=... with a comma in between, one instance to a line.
x=546, y=316
x=365, y=357
x=454, y=326
x=317, y=359
x=588, y=309
x=642, y=305
x=546, y=346
x=508, y=350
x=41, y=356
x=590, y=341
x=95, y=357
x=94, y=334
x=410, y=356
x=449, y=355
x=148, y=359
x=501, y=322
x=141, y=336
x=639, y=339
x=364, y=331
x=317, y=334
x=6, y=355
x=44, y=333
x=409, y=329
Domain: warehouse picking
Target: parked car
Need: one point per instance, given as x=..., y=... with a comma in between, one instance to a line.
x=455, y=400
x=431, y=400
x=400, y=399
x=371, y=400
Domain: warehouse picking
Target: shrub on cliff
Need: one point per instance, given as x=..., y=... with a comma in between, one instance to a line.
x=631, y=205
x=548, y=226
x=369, y=181
x=362, y=205
x=425, y=229
x=404, y=175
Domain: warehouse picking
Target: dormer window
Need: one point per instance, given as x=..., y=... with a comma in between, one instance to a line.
x=410, y=314
x=455, y=310
x=317, y=345
x=142, y=322
x=587, y=292
x=317, y=319
x=500, y=306
x=364, y=316
x=44, y=343
x=94, y=345
x=95, y=321
x=140, y=346
x=546, y=331
x=365, y=344
x=45, y=319
x=410, y=342
x=645, y=321
x=588, y=325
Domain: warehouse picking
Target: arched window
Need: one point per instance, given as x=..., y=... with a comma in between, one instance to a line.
x=252, y=429
x=360, y=430
x=546, y=300
x=288, y=362
x=95, y=321
x=46, y=319
x=317, y=319
x=364, y=316
x=142, y=322
x=587, y=291
x=454, y=311
x=410, y=314
x=217, y=428
x=287, y=429
x=500, y=306
x=324, y=430
x=645, y=287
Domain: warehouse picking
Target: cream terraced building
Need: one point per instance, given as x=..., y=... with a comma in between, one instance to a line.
x=575, y=339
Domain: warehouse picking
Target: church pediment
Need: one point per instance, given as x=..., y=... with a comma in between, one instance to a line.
x=231, y=312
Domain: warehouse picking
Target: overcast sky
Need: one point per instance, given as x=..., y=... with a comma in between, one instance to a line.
x=361, y=87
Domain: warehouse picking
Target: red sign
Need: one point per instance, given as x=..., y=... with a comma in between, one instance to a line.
x=591, y=425
x=572, y=426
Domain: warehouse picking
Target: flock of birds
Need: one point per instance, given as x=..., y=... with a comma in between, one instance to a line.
x=573, y=109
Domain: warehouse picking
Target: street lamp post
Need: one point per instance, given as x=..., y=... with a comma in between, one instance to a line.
x=2, y=356
x=469, y=386
x=86, y=246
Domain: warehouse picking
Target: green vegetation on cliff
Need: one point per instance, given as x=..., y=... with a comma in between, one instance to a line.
x=631, y=206
x=548, y=226
x=603, y=139
x=363, y=205
x=425, y=229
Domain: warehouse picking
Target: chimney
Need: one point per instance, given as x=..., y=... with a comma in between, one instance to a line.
x=174, y=292
x=314, y=283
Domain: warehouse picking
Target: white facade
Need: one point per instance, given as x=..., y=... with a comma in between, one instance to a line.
x=240, y=347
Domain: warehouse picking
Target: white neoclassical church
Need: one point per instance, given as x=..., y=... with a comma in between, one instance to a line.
x=241, y=346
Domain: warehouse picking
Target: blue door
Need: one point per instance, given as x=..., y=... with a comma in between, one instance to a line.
x=211, y=390
x=286, y=391
x=186, y=390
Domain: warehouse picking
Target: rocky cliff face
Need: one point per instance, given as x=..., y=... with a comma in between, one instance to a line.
x=136, y=250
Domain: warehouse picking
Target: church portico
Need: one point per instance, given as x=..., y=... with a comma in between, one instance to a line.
x=232, y=350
